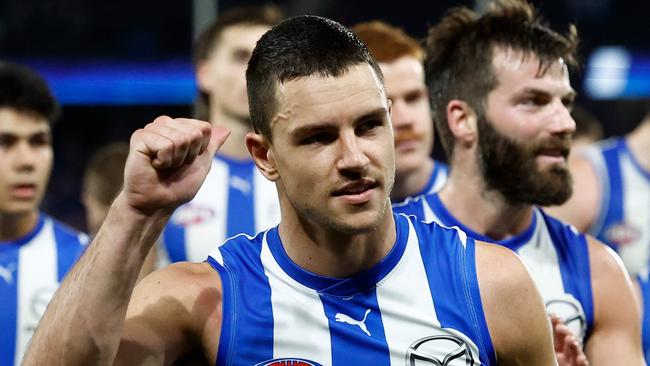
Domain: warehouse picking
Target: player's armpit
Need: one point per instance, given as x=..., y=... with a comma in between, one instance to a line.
x=514, y=311
x=616, y=335
x=174, y=313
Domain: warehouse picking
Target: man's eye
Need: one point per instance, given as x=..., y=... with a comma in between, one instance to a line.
x=318, y=138
x=241, y=56
x=40, y=140
x=7, y=140
x=369, y=126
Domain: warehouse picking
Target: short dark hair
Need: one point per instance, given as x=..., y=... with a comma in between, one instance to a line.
x=299, y=47
x=24, y=90
x=460, y=50
x=207, y=41
x=104, y=173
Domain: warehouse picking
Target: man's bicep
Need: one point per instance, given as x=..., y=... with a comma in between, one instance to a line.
x=616, y=337
x=161, y=320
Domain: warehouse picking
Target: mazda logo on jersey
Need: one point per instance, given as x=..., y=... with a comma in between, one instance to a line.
x=288, y=362
x=570, y=312
x=442, y=350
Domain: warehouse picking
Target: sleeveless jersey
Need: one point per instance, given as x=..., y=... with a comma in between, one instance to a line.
x=234, y=198
x=556, y=255
x=643, y=281
x=420, y=305
x=31, y=269
x=623, y=218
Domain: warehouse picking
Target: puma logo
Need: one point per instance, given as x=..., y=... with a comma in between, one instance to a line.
x=7, y=273
x=343, y=318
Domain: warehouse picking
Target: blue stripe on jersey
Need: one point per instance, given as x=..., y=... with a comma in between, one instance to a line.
x=454, y=286
x=625, y=149
x=9, y=292
x=411, y=206
x=644, y=284
x=241, y=202
x=226, y=344
x=9, y=303
x=347, y=339
x=614, y=207
x=446, y=218
x=68, y=249
x=573, y=258
x=250, y=297
x=174, y=240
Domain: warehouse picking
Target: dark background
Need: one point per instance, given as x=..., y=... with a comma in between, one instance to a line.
x=145, y=30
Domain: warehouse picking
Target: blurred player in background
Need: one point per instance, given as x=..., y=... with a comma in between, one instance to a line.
x=501, y=97
x=36, y=251
x=611, y=199
x=588, y=130
x=235, y=198
x=400, y=58
x=102, y=182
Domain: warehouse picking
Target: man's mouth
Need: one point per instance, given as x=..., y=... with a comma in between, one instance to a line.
x=357, y=192
x=23, y=191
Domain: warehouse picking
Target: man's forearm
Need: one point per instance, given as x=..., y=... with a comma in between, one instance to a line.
x=83, y=323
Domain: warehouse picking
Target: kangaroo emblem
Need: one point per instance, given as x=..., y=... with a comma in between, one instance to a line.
x=7, y=273
x=343, y=318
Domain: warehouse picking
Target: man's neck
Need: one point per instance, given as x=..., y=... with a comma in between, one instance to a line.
x=409, y=184
x=639, y=143
x=336, y=254
x=15, y=226
x=485, y=212
x=235, y=145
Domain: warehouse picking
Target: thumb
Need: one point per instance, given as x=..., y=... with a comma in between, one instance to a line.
x=218, y=136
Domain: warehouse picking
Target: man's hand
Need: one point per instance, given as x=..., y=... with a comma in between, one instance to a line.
x=168, y=161
x=567, y=348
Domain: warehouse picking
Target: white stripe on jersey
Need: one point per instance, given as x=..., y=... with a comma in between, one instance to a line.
x=636, y=196
x=202, y=238
x=35, y=287
x=301, y=328
x=540, y=257
x=408, y=277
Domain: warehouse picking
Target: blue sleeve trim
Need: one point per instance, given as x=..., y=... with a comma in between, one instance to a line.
x=228, y=320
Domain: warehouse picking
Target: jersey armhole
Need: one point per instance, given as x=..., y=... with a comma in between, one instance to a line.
x=228, y=320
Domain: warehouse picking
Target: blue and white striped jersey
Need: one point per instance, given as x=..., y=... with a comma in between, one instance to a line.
x=437, y=180
x=420, y=304
x=623, y=218
x=556, y=255
x=643, y=281
x=31, y=269
x=235, y=198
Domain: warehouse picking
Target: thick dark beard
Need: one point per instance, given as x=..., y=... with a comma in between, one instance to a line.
x=510, y=168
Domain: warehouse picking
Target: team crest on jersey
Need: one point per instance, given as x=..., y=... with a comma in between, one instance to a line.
x=192, y=214
x=440, y=350
x=288, y=362
x=571, y=313
x=622, y=234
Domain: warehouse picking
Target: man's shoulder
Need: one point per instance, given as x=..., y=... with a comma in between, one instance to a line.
x=183, y=281
x=500, y=269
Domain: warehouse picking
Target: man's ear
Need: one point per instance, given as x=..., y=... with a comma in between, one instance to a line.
x=462, y=121
x=260, y=150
